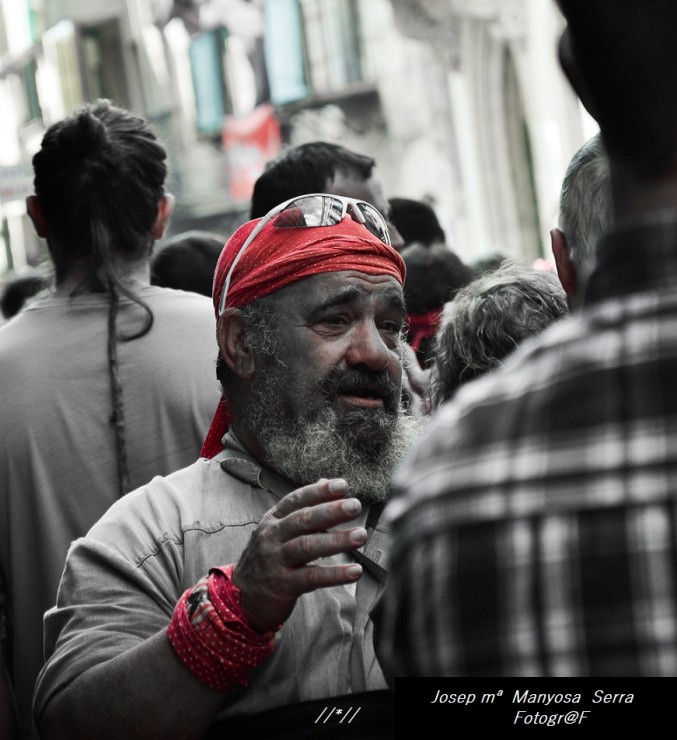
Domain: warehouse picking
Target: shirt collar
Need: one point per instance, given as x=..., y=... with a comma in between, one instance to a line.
x=236, y=460
x=634, y=259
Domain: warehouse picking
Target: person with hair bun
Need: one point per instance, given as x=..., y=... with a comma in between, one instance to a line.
x=108, y=381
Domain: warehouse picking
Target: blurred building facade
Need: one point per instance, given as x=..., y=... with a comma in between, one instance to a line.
x=461, y=102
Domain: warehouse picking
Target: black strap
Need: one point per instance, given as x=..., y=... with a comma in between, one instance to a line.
x=280, y=486
x=374, y=514
x=374, y=569
x=380, y=574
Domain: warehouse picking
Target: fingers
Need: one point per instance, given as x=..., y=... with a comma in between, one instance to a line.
x=267, y=605
x=315, y=493
x=318, y=518
x=308, y=548
x=312, y=577
x=302, y=533
x=273, y=571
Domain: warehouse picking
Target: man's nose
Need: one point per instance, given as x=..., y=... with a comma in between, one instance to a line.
x=367, y=347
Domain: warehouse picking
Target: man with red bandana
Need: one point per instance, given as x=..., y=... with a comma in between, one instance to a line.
x=234, y=595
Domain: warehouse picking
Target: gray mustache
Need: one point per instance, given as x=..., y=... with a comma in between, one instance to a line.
x=377, y=383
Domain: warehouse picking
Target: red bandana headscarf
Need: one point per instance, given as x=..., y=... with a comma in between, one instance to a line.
x=281, y=256
x=423, y=326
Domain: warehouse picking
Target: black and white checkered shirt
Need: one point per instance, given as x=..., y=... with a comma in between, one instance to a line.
x=535, y=524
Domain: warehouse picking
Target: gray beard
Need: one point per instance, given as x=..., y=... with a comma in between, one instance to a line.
x=362, y=446
x=317, y=449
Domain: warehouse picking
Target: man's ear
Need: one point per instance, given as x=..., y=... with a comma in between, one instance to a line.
x=236, y=352
x=565, y=267
x=34, y=210
x=165, y=207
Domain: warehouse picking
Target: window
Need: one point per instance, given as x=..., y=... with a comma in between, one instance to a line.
x=4, y=47
x=103, y=63
x=60, y=86
x=331, y=30
x=313, y=47
x=28, y=76
x=207, y=60
x=285, y=51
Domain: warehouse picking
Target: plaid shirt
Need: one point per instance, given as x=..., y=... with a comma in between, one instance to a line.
x=535, y=523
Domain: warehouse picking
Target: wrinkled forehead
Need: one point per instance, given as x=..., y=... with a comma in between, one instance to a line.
x=344, y=286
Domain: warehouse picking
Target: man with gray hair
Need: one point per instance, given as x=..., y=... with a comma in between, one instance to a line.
x=488, y=319
x=533, y=524
x=584, y=215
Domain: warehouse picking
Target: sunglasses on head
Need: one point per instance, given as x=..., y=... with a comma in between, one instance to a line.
x=309, y=212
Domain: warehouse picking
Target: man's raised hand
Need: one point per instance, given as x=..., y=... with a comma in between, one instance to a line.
x=274, y=569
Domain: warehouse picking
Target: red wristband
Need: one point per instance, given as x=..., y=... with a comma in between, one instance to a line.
x=212, y=636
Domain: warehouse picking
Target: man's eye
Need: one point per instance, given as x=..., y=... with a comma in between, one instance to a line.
x=337, y=320
x=392, y=327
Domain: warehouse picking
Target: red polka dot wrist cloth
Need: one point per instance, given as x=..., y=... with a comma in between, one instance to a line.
x=211, y=636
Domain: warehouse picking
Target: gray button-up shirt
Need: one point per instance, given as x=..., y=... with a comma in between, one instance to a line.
x=122, y=582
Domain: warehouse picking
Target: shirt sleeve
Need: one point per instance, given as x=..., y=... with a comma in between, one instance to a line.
x=106, y=605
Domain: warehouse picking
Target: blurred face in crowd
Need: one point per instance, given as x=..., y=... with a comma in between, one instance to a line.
x=326, y=398
x=353, y=185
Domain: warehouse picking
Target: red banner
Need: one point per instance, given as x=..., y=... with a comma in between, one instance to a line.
x=249, y=142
